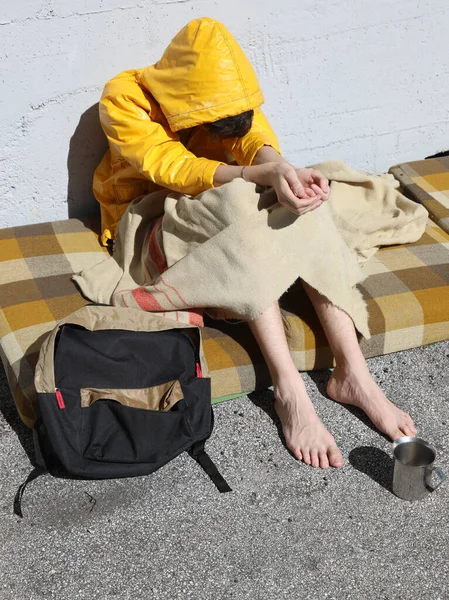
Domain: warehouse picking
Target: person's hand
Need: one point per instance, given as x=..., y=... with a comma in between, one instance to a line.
x=290, y=192
x=314, y=180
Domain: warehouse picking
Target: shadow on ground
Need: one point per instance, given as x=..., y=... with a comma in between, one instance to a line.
x=375, y=463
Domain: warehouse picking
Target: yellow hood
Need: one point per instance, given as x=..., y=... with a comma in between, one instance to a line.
x=202, y=76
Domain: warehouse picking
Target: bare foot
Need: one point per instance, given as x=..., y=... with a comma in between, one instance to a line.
x=360, y=389
x=305, y=435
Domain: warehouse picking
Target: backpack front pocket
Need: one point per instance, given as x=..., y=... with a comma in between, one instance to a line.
x=112, y=432
x=158, y=397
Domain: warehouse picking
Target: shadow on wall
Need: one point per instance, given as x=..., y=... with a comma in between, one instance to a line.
x=87, y=147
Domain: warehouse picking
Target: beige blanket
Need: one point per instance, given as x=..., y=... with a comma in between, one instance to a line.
x=235, y=250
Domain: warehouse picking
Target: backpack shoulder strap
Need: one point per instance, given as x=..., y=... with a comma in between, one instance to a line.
x=36, y=472
x=198, y=452
x=39, y=469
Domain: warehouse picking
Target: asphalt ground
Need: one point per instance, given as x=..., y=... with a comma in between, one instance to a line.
x=286, y=531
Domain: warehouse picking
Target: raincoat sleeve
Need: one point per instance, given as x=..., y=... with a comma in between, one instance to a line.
x=261, y=134
x=153, y=150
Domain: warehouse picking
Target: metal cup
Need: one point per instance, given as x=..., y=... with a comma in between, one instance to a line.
x=413, y=468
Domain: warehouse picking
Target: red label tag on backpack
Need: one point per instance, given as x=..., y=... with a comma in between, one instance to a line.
x=60, y=399
x=199, y=372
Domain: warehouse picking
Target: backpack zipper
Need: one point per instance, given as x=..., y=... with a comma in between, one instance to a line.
x=59, y=398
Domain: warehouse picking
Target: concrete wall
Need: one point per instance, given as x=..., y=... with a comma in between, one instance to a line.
x=364, y=81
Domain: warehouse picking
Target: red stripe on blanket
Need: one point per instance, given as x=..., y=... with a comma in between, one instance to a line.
x=196, y=317
x=175, y=290
x=146, y=301
x=155, y=252
x=166, y=295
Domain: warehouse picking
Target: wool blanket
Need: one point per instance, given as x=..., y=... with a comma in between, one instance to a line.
x=232, y=251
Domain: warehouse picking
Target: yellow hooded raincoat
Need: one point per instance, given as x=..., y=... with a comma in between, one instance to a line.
x=202, y=76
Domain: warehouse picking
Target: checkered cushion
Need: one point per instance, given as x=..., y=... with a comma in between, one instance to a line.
x=427, y=181
x=407, y=293
x=36, y=263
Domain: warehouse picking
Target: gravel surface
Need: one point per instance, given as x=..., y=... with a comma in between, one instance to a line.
x=286, y=531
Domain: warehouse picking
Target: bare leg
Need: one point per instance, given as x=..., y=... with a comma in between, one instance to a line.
x=351, y=382
x=306, y=436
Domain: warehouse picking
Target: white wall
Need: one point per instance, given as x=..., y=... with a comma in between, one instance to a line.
x=364, y=81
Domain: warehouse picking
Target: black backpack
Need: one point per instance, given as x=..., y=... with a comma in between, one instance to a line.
x=120, y=392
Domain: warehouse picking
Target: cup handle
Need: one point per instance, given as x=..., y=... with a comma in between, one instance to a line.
x=439, y=473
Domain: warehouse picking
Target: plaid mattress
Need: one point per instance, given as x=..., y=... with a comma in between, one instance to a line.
x=427, y=181
x=407, y=293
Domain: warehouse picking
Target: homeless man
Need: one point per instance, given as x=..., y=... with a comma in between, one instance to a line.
x=192, y=124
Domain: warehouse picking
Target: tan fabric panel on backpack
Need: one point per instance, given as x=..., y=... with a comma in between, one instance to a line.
x=158, y=397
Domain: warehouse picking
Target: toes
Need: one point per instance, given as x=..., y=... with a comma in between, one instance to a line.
x=403, y=427
x=314, y=458
x=410, y=426
x=409, y=429
x=306, y=456
x=324, y=461
x=396, y=433
x=335, y=457
x=297, y=453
